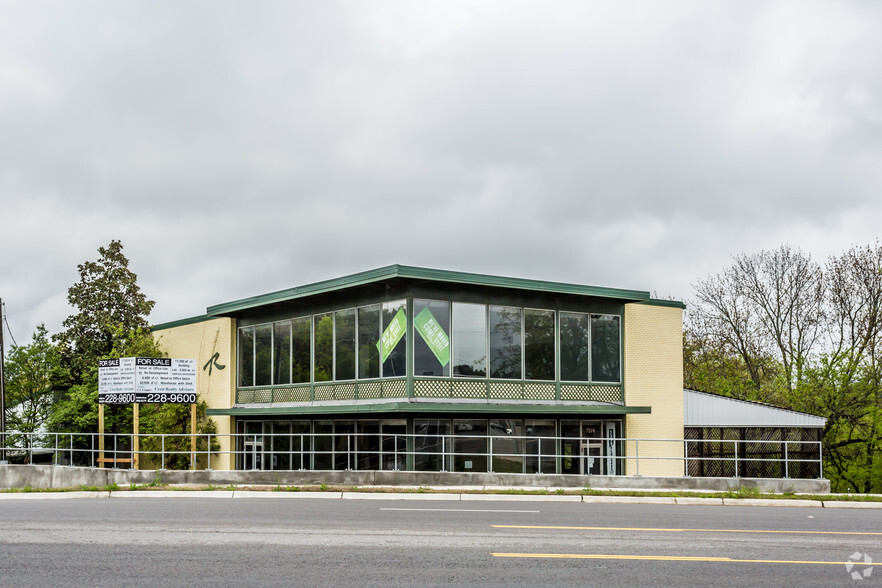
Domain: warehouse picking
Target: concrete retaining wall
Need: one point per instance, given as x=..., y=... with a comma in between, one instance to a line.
x=47, y=476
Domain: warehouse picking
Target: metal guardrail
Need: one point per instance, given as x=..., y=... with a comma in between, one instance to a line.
x=354, y=451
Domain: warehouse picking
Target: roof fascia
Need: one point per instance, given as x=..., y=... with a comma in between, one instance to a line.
x=417, y=273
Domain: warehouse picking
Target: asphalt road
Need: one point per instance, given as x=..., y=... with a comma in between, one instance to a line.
x=314, y=542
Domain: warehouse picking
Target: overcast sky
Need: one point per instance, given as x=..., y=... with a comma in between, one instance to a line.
x=238, y=148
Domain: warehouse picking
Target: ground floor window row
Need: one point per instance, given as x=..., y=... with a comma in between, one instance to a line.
x=449, y=339
x=502, y=445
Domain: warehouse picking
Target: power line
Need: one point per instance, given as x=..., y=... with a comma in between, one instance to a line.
x=6, y=320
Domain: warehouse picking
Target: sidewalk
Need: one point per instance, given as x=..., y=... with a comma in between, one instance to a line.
x=449, y=494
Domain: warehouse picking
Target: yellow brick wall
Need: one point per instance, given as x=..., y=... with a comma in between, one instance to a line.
x=654, y=377
x=215, y=385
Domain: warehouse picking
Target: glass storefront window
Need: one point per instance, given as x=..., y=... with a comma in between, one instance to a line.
x=396, y=363
x=280, y=445
x=470, y=445
x=469, y=340
x=263, y=355
x=323, y=445
x=368, y=445
x=508, y=445
x=368, y=337
x=539, y=344
x=479, y=341
x=246, y=356
x=540, y=446
x=432, y=444
x=344, y=344
x=282, y=353
x=605, y=348
x=434, y=360
x=300, y=445
x=574, y=347
x=505, y=342
x=323, y=344
x=300, y=360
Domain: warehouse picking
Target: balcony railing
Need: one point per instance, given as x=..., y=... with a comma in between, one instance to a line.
x=433, y=388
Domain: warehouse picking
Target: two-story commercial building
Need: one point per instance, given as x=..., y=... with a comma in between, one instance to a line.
x=419, y=369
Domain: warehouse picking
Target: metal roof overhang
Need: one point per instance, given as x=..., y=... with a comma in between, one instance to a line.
x=701, y=409
x=428, y=407
x=418, y=273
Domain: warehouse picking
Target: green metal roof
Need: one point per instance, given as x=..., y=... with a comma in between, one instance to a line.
x=179, y=323
x=418, y=273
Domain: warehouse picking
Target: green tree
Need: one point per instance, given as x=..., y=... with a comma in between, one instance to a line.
x=32, y=373
x=107, y=300
x=775, y=327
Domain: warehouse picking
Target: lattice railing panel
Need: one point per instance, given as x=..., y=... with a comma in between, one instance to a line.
x=369, y=390
x=468, y=389
x=431, y=388
x=533, y=391
x=506, y=390
x=394, y=389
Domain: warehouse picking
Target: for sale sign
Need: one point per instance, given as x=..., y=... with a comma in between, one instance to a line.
x=147, y=380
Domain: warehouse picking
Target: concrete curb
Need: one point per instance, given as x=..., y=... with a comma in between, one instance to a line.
x=441, y=496
x=171, y=494
x=399, y=496
x=771, y=502
x=51, y=495
x=694, y=500
x=285, y=494
x=629, y=499
x=520, y=498
x=850, y=504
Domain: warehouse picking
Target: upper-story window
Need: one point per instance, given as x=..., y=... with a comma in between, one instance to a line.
x=451, y=339
x=347, y=344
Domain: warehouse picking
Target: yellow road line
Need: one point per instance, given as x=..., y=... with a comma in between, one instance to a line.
x=684, y=530
x=674, y=558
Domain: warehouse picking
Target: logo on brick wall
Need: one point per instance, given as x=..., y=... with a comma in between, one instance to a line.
x=212, y=363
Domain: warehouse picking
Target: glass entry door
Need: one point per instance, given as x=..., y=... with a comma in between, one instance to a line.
x=590, y=462
x=252, y=445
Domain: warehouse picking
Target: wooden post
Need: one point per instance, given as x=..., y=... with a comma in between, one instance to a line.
x=135, y=440
x=193, y=436
x=100, y=435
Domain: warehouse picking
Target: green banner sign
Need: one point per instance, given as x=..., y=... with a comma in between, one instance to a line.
x=433, y=334
x=392, y=335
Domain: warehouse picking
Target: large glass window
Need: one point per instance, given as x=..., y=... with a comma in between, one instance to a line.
x=246, y=356
x=323, y=345
x=431, y=345
x=300, y=360
x=263, y=355
x=368, y=445
x=540, y=446
x=432, y=446
x=539, y=344
x=469, y=340
x=470, y=445
x=605, y=348
x=396, y=362
x=282, y=353
x=505, y=342
x=508, y=445
x=323, y=445
x=344, y=348
x=574, y=347
x=368, y=337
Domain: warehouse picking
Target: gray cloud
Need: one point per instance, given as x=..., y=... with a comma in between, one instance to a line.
x=241, y=149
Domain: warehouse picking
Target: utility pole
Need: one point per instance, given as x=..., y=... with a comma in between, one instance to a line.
x=2, y=392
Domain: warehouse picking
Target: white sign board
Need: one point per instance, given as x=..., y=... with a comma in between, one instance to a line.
x=147, y=380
